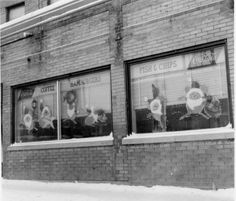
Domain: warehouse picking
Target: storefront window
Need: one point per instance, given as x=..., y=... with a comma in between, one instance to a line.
x=182, y=92
x=36, y=113
x=84, y=104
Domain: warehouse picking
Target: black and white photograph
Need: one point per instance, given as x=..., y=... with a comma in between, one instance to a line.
x=117, y=100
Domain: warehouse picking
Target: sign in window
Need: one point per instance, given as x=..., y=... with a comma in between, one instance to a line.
x=183, y=92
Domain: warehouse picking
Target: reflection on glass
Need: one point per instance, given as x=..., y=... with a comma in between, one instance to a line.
x=180, y=93
x=86, y=106
x=36, y=112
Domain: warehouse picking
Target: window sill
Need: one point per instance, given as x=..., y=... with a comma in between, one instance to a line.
x=70, y=143
x=180, y=136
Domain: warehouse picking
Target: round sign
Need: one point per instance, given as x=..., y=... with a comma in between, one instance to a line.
x=28, y=120
x=155, y=106
x=195, y=99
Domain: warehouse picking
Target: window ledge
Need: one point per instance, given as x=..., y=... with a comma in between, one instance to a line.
x=180, y=136
x=70, y=143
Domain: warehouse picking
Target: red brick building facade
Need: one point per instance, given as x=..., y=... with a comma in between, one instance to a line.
x=152, y=83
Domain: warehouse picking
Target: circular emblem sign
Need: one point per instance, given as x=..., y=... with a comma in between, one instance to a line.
x=28, y=121
x=195, y=99
x=155, y=106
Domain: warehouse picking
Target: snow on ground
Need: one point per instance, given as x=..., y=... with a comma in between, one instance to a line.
x=15, y=190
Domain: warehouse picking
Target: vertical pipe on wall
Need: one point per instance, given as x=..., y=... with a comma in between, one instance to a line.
x=58, y=111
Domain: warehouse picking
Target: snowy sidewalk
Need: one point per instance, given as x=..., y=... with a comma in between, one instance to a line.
x=15, y=190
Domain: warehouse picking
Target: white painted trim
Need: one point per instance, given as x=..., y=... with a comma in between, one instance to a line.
x=180, y=136
x=69, y=143
x=46, y=14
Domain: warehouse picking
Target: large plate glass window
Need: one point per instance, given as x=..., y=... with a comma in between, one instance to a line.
x=76, y=107
x=182, y=92
x=86, y=106
x=36, y=113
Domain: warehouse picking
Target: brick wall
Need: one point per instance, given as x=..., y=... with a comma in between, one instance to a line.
x=149, y=28
x=70, y=44
x=152, y=28
x=110, y=34
x=84, y=164
x=202, y=164
x=2, y=15
x=31, y=6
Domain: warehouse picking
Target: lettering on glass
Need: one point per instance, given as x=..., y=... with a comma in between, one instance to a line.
x=158, y=67
x=47, y=89
x=26, y=93
x=84, y=81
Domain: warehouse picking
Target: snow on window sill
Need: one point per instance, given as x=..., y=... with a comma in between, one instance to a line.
x=181, y=136
x=69, y=143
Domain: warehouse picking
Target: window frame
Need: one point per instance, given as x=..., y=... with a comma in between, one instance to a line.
x=52, y=79
x=50, y=2
x=12, y=7
x=177, y=52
